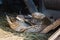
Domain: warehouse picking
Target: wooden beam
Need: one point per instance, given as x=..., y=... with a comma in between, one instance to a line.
x=51, y=27
x=55, y=35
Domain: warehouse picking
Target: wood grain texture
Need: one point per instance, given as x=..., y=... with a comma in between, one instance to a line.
x=51, y=27
x=55, y=35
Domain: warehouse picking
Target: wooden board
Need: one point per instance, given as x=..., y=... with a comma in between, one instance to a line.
x=51, y=27
x=55, y=35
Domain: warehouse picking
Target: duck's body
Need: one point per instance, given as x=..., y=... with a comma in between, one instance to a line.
x=17, y=25
x=20, y=26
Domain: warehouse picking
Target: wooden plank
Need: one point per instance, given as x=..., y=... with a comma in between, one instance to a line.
x=51, y=27
x=55, y=35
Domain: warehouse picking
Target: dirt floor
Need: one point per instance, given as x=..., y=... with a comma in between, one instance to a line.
x=9, y=36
